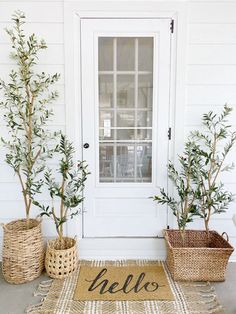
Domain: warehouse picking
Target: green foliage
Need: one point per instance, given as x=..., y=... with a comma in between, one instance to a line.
x=199, y=190
x=25, y=104
x=183, y=207
x=69, y=191
x=212, y=146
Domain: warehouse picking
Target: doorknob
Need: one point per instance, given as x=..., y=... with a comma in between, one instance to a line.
x=86, y=145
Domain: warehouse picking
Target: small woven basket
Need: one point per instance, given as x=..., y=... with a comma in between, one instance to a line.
x=23, y=251
x=200, y=259
x=61, y=257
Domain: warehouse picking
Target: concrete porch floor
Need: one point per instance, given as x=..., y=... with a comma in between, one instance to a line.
x=15, y=298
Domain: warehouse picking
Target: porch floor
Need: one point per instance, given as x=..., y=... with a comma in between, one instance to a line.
x=15, y=298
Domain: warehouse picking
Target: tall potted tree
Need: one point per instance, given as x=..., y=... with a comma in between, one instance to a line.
x=213, y=146
x=200, y=255
x=61, y=254
x=183, y=205
x=25, y=105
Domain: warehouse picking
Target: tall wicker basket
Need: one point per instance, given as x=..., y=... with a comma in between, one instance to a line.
x=23, y=251
x=61, y=257
x=199, y=259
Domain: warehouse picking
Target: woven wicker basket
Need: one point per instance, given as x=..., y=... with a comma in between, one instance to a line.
x=61, y=257
x=23, y=251
x=200, y=259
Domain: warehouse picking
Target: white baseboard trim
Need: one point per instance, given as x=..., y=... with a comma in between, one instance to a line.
x=122, y=248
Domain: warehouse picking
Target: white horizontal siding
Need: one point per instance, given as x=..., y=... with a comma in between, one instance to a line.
x=216, y=224
x=193, y=114
x=212, y=54
x=210, y=95
x=54, y=54
x=200, y=12
x=212, y=74
x=47, y=68
x=224, y=34
x=211, y=82
x=52, y=33
x=37, y=11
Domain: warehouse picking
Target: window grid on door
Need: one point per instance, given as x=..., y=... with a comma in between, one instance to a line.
x=125, y=150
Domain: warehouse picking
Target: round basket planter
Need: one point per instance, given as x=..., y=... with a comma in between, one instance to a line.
x=23, y=251
x=61, y=257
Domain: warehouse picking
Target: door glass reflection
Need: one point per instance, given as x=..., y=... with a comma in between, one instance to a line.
x=125, y=89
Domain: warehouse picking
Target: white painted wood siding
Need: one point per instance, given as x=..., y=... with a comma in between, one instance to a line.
x=210, y=80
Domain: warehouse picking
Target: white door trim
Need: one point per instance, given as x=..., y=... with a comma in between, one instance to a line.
x=73, y=13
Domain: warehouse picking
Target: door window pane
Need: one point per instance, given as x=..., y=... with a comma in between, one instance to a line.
x=125, y=109
x=144, y=134
x=105, y=53
x=125, y=162
x=125, y=118
x=145, y=91
x=144, y=118
x=125, y=134
x=106, y=134
x=125, y=91
x=106, y=118
x=106, y=90
x=106, y=162
x=144, y=162
x=125, y=54
x=145, y=54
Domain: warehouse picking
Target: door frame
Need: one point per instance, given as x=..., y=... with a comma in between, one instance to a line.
x=74, y=11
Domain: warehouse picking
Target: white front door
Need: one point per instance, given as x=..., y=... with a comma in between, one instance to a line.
x=125, y=108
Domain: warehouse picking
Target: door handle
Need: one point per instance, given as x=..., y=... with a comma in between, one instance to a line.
x=86, y=145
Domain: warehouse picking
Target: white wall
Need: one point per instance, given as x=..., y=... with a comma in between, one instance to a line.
x=210, y=80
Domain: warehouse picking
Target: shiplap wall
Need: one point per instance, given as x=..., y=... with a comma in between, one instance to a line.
x=211, y=81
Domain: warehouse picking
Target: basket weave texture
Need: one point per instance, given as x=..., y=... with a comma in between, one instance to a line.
x=199, y=259
x=23, y=251
x=61, y=257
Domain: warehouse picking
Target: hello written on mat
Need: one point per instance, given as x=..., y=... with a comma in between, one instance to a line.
x=113, y=283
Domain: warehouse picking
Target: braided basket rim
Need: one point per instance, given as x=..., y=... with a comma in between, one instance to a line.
x=13, y=223
x=53, y=241
x=228, y=247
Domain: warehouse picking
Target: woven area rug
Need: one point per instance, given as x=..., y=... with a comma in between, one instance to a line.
x=189, y=298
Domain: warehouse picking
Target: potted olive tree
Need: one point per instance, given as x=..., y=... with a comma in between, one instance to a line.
x=183, y=205
x=213, y=146
x=24, y=104
x=61, y=254
x=200, y=255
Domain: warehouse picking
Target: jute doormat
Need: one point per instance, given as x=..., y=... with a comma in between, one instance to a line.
x=189, y=298
x=128, y=283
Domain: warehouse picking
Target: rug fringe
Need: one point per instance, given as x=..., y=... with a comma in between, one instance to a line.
x=42, y=290
x=35, y=308
x=207, y=296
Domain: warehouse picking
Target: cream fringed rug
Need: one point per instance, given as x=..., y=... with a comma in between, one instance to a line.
x=68, y=297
